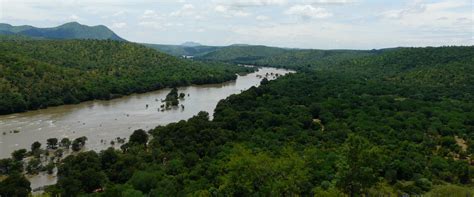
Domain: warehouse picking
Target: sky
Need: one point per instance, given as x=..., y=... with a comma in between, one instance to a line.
x=320, y=24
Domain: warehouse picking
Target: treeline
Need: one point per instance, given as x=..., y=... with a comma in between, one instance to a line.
x=315, y=133
x=36, y=74
x=180, y=50
x=297, y=59
x=312, y=59
x=242, y=54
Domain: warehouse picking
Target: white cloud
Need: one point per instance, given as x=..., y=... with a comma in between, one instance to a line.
x=221, y=8
x=119, y=25
x=252, y=3
x=118, y=13
x=399, y=13
x=308, y=12
x=330, y=2
x=422, y=14
x=186, y=10
x=262, y=18
x=151, y=14
x=74, y=17
x=199, y=17
x=241, y=13
x=238, y=8
x=231, y=11
x=151, y=24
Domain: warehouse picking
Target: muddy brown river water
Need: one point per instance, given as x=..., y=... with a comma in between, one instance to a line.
x=107, y=120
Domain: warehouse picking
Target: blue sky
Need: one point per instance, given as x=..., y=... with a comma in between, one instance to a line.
x=322, y=24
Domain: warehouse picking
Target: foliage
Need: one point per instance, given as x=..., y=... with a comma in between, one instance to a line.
x=15, y=185
x=18, y=155
x=52, y=143
x=450, y=190
x=81, y=174
x=72, y=30
x=241, y=53
x=65, y=142
x=40, y=73
x=172, y=97
x=382, y=123
x=358, y=170
x=35, y=146
x=139, y=137
x=297, y=59
x=180, y=50
x=78, y=143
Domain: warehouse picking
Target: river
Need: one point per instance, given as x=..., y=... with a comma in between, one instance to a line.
x=102, y=121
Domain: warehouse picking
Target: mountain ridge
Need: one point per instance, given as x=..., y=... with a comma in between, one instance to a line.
x=71, y=30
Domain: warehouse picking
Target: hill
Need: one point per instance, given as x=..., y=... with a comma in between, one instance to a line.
x=180, y=50
x=281, y=57
x=191, y=44
x=40, y=73
x=242, y=53
x=71, y=30
x=311, y=58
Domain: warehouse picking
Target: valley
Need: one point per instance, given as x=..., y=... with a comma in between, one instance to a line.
x=195, y=120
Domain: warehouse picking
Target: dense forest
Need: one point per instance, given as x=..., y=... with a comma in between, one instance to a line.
x=243, y=54
x=311, y=58
x=180, y=50
x=399, y=121
x=72, y=30
x=39, y=73
x=298, y=59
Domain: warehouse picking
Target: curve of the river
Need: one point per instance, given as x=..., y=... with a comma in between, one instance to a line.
x=102, y=121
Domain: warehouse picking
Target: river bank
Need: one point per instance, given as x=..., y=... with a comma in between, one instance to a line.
x=102, y=121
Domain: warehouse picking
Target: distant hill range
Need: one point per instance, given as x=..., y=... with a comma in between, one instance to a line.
x=72, y=30
x=217, y=53
x=236, y=53
x=185, y=49
x=191, y=44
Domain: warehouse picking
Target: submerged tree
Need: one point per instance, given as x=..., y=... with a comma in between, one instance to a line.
x=172, y=97
x=78, y=143
x=52, y=143
x=65, y=142
x=35, y=146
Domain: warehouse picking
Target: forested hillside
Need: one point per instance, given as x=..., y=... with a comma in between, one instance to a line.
x=298, y=59
x=36, y=74
x=399, y=122
x=72, y=30
x=243, y=54
x=311, y=59
x=180, y=50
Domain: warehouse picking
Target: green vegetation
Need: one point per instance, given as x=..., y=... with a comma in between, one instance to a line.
x=297, y=59
x=72, y=30
x=311, y=59
x=180, y=50
x=12, y=170
x=15, y=185
x=40, y=73
x=172, y=98
x=397, y=122
x=243, y=54
x=388, y=122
